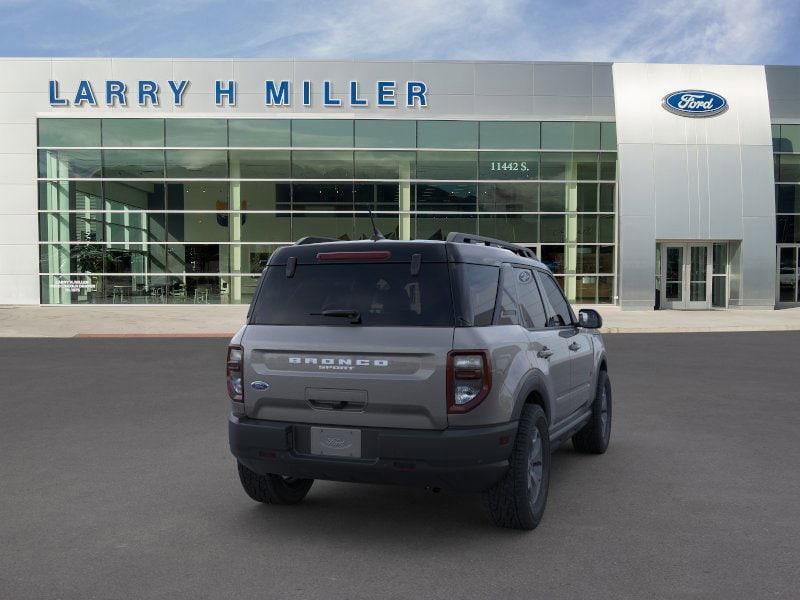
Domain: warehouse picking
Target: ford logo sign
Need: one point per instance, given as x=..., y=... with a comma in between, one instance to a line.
x=259, y=385
x=695, y=103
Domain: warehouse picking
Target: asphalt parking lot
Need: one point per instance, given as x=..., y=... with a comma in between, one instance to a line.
x=117, y=483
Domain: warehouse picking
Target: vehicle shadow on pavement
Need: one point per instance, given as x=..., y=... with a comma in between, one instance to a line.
x=346, y=512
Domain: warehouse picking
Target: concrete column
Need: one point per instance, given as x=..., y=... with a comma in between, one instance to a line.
x=404, y=229
x=235, y=233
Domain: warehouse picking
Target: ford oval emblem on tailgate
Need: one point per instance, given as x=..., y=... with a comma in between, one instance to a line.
x=259, y=385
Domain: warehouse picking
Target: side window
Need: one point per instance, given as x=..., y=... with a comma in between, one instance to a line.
x=478, y=285
x=562, y=313
x=530, y=302
x=507, y=298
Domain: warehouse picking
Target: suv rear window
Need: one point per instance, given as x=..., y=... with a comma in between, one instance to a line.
x=384, y=294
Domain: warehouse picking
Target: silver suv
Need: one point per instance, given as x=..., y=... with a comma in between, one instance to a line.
x=454, y=364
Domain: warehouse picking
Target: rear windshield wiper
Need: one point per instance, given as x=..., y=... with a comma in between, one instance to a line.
x=347, y=313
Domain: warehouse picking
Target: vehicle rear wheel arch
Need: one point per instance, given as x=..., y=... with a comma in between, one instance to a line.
x=533, y=391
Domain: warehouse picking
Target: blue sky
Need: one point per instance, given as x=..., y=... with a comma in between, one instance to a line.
x=712, y=31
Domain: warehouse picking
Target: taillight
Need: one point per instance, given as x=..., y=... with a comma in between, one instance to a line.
x=469, y=379
x=233, y=373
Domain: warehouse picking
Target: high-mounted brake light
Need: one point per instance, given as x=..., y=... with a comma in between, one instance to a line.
x=469, y=379
x=366, y=255
x=233, y=373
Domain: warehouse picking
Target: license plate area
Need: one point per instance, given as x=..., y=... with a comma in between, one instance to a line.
x=333, y=441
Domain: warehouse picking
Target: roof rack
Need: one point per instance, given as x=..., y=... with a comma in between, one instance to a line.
x=469, y=238
x=311, y=239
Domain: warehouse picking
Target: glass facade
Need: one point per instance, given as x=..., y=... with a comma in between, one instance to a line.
x=786, y=148
x=189, y=210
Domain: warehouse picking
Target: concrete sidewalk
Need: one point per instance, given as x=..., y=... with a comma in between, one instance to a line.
x=224, y=320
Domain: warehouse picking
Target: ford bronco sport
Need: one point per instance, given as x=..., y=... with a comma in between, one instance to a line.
x=454, y=364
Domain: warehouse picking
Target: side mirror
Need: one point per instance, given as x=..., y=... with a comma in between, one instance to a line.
x=589, y=318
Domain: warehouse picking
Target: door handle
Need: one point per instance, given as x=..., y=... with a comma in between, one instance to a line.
x=574, y=346
x=545, y=352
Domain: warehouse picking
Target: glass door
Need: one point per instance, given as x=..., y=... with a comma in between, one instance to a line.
x=686, y=272
x=699, y=276
x=788, y=275
x=672, y=276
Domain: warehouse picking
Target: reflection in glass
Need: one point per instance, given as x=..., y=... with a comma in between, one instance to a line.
x=447, y=134
x=787, y=288
x=198, y=133
x=132, y=164
x=383, y=133
x=64, y=164
x=322, y=196
x=509, y=134
x=134, y=195
x=509, y=197
x=322, y=133
x=133, y=132
x=606, y=197
x=608, y=166
x=262, y=201
x=605, y=261
x=585, y=166
x=553, y=228
x=557, y=166
x=260, y=164
x=587, y=259
x=197, y=164
x=259, y=133
x=789, y=169
x=788, y=229
x=65, y=133
x=322, y=164
x=446, y=197
x=380, y=196
x=787, y=198
x=608, y=136
x=552, y=197
x=70, y=195
x=336, y=225
x=517, y=228
x=385, y=164
x=439, y=226
x=587, y=197
x=586, y=289
x=447, y=165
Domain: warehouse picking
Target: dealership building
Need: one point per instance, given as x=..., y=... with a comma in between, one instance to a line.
x=160, y=181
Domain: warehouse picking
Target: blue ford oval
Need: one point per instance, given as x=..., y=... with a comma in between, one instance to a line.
x=695, y=103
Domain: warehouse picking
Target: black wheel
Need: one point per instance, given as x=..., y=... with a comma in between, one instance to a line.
x=518, y=500
x=273, y=489
x=595, y=435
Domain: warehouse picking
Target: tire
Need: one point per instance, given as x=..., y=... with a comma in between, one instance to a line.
x=273, y=489
x=518, y=500
x=596, y=434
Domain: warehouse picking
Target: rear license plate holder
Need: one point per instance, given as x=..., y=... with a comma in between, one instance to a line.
x=334, y=441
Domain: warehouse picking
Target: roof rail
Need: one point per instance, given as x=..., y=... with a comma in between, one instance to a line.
x=469, y=238
x=311, y=239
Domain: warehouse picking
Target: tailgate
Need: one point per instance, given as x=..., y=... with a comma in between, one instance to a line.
x=345, y=375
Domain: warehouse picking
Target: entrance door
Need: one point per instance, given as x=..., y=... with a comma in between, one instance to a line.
x=686, y=276
x=788, y=275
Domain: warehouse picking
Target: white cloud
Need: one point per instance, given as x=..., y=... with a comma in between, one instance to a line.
x=713, y=31
x=736, y=31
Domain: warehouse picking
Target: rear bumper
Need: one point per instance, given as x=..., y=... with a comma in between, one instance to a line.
x=469, y=460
